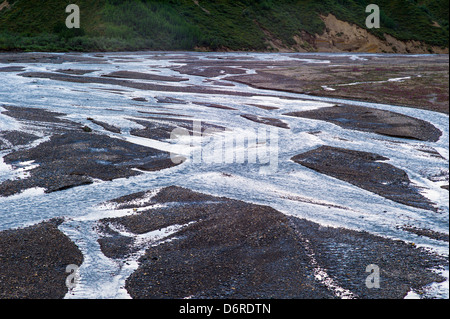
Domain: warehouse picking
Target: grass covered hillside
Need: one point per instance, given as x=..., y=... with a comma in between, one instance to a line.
x=111, y=25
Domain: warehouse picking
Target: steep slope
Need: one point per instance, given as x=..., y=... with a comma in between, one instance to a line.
x=263, y=25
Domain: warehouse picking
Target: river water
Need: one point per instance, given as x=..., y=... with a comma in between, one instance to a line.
x=274, y=180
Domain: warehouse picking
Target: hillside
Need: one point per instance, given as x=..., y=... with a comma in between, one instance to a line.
x=240, y=25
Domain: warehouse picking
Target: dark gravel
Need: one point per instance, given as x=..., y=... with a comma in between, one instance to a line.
x=33, y=262
x=427, y=233
x=73, y=159
x=9, y=139
x=266, y=120
x=208, y=71
x=161, y=128
x=106, y=126
x=365, y=170
x=374, y=120
x=75, y=71
x=40, y=117
x=131, y=84
x=42, y=57
x=345, y=254
x=12, y=69
x=241, y=250
x=143, y=76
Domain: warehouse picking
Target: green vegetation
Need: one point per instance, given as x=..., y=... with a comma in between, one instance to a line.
x=113, y=25
x=403, y=19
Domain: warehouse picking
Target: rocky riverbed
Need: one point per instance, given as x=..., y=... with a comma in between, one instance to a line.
x=233, y=249
x=263, y=192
